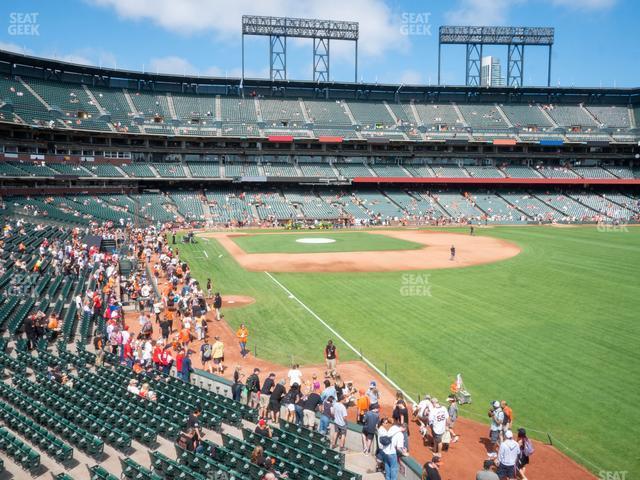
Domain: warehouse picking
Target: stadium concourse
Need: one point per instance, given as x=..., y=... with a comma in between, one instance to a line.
x=68, y=409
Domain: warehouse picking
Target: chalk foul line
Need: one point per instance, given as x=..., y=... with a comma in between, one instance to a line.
x=334, y=332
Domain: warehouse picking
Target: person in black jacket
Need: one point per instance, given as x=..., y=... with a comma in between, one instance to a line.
x=275, y=400
x=265, y=393
x=253, y=388
x=430, y=470
x=310, y=406
x=30, y=331
x=217, y=305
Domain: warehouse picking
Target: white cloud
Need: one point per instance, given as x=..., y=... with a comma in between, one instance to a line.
x=379, y=28
x=409, y=77
x=181, y=66
x=15, y=48
x=496, y=12
x=481, y=12
x=75, y=58
x=172, y=64
x=585, y=4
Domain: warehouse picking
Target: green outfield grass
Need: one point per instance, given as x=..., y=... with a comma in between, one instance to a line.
x=344, y=242
x=553, y=330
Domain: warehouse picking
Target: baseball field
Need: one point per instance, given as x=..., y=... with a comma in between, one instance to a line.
x=549, y=322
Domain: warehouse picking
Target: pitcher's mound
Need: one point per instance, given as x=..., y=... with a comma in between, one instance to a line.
x=235, y=301
x=315, y=240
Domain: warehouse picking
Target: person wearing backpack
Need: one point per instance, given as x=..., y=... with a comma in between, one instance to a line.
x=526, y=450
x=390, y=442
x=253, y=389
x=205, y=357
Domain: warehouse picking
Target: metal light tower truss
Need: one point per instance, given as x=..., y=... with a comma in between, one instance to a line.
x=278, y=29
x=515, y=38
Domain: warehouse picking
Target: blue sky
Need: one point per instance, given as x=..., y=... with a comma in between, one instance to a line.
x=596, y=40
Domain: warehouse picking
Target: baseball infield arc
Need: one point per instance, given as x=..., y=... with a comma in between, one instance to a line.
x=470, y=250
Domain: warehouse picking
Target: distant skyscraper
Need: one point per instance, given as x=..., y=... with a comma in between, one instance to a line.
x=491, y=74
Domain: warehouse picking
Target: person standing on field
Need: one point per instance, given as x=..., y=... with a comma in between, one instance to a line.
x=205, y=357
x=243, y=335
x=217, y=353
x=217, y=305
x=508, y=415
x=331, y=359
x=497, y=421
x=508, y=454
x=526, y=450
x=439, y=421
x=453, y=416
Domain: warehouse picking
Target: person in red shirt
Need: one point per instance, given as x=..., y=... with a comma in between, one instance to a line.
x=155, y=356
x=166, y=360
x=128, y=354
x=179, y=359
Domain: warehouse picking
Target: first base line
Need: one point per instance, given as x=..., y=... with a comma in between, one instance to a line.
x=332, y=330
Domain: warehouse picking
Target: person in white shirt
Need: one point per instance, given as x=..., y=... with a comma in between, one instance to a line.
x=147, y=353
x=133, y=386
x=390, y=442
x=340, y=424
x=126, y=336
x=508, y=456
x=295, y=375
x=439, y=422
x=421, y=413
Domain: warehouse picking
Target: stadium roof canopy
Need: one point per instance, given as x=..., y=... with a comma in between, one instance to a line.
x=25, y=65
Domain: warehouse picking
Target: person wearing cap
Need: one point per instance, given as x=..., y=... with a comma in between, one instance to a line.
x=488, y=471
x=508, y=454
x=374, y=396
x=430, y=470
x=439, y=422
x=265, y=394
x=263, y=429
x=497, y=420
